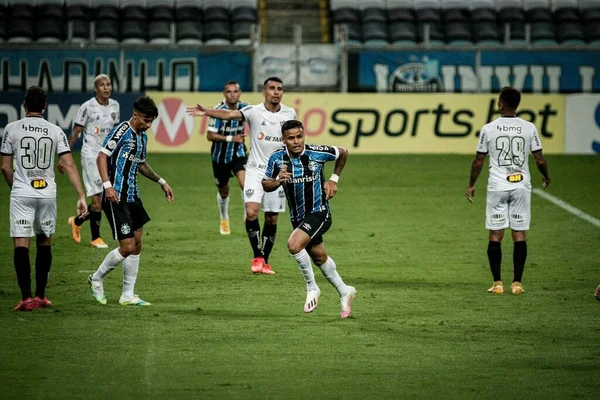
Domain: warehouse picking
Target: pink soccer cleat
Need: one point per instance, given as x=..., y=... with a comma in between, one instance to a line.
x=26, y=305
x=42, y=303
x=346, y=302
x=267, y=270
x=257, y=265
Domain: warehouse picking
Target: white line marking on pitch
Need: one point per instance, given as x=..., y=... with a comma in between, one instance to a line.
x=566, y=206
x=86, y=271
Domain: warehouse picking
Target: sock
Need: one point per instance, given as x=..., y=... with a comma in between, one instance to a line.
x=23, y=270
x=253, y=231
x=268, y=240
x=495, y=257
x=305, y=265
x=80, y=220
x=223, y=206
x=519, y=257
x=110, y=262
x=130, y=271
x=329, y=270
x=43, y=262
x=243, y=203
x=95, y=217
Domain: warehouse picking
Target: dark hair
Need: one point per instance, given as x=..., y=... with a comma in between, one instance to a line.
x=230, y=83
x=145, y=106
x=291, y=124
x=35, y=99
x=511, y=97
x=274, y=79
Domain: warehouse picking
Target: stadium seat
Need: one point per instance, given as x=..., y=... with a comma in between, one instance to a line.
x=106, y=16
x=542, y=33
x=20, y=26
x=50, y=21
x=3, y=18
x=161, y=15
x=216, y=10
x=244, y=14
x=592, y=33
x=483, y=11
x=487, y=34
x=428, y=11
x=78, y=14
x=570, y=33
x=22, y=9
x=344, y=11
x=589, y=10
x=401, y=10
x=517, y=33
x=217, y=32
x=375, y=33
x=565, y=11
x=459, y=34
x=241, y=33
x=354, y=34
x=436, y=33
x=456, y=11
x=403, y=33
x=134, y=26
x=510, y=11
x=188, y=22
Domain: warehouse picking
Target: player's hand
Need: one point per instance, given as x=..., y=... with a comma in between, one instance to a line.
x=60, y=167
x=82, y=208
x=470, y=193
x=168, y=192
x=196, y=111
x=238, y=138
x=545, y=182
x=284, y=175
x=330, y=189
x=111, y=195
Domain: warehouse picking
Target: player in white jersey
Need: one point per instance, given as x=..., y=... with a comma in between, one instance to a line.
x=265, y=121
x=508, y=140
x=28, y=146
x=95, y=118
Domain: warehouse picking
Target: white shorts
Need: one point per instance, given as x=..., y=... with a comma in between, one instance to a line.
x=30, y=216
x=91, y=176
x=254, y=192
x=511, y=208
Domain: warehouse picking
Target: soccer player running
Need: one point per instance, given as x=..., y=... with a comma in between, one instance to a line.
x=29, y=145
x=228, y=151
x=265, y=120
x=298, y=168
x=508, y=140
x=121, y=157
x=95, y=118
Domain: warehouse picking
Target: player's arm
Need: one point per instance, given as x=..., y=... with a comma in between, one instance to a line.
x=7, y=170
x=542, y=166
x=275, y=176
x=476, y=167
x=331, y=185
x=145, y=169
x=199, y=111
x=77, y=129
x=66, y=160
x=102, y=164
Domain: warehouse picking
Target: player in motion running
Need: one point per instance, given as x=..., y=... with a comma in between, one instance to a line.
x=508, y=140
x=265, y=120
x=122, y=156
x=29, y=145
x=298, y=168
x=95, y=118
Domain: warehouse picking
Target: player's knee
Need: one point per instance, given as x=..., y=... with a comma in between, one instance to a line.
x=271, y=218
x=294, y=246
x=127, y=248
x=251, y=213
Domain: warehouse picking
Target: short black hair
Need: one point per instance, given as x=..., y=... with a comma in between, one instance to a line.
x=145, y=106
x=511, y=97
x=230, y=83
x=274, y=79
x=291, y=124
x=35, y=99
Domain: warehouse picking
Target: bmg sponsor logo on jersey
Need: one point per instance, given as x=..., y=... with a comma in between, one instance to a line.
x=35, y=129
x=510, y=128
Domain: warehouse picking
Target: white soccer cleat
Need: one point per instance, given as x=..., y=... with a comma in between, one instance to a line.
x=97, y=289
x=133, y=301
x=312, y=300
x=346, y=302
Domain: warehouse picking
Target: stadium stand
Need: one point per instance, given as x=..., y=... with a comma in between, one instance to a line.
x=78, y=14
x=216, y=22
x=188, y=22
x=133, y=24
x=3, y=19
x=161, y=17
x=21, y=21
x=106, y=16
x=244, y=17
x=50, y=21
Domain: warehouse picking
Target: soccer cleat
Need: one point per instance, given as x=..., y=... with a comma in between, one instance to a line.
x=26, y=305
x=266, y=269
x=517, y=288
x=496, y=288
x=346, y=302
x=42, y=303
x=225, y=229
x=98, y=243
x=97, y=289
x=257, y=265
x=75, y=230
x=133, y=301
x=312, y=300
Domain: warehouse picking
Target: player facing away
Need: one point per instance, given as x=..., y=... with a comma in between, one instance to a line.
x=121, y=157
x=265, y=120
x=508, y=140
x=29, y=145
x=298, y=168
x=228, y=151
x=95, y=118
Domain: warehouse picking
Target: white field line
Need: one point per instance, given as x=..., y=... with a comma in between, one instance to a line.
x=86, y=271
x=566, y=206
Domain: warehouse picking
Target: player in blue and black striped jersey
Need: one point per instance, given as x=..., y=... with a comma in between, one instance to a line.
x=229, y=154
x=121, y=157
x=298, y=167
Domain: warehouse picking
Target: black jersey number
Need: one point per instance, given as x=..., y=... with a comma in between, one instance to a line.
x=36, y=153
x=512, y=151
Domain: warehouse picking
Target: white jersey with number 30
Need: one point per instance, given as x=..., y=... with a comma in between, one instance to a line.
x=509, y=140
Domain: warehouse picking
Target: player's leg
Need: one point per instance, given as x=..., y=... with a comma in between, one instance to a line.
x=273, y=204
x=44, y=227
x=520, y=217
x=253, y=192
x=131, y=263
x=95, y=216
x=297, y=247
x=91, y=188
x=496, y=222
x=22, y=215
x=239, y=169
x=222, y=174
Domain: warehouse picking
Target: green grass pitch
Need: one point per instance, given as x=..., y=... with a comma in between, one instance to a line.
x=423, y=325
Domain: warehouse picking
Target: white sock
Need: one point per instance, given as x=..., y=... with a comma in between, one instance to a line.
x=223, y=206
x=329, y=270
x=243, y=203
x=130, y=271
x=110, y=262
x=303, y=260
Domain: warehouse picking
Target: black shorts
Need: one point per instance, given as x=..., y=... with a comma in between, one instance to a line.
x=125, y=218
x=222, y=172
x=315, y=225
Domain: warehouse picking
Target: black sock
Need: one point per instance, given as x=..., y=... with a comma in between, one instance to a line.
x=519, y=257
x=43, y=262
x=95, y=218
x=253, y=231
x=268, y=239
x=80, y=220
x=23, y=269
x=495, y=257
